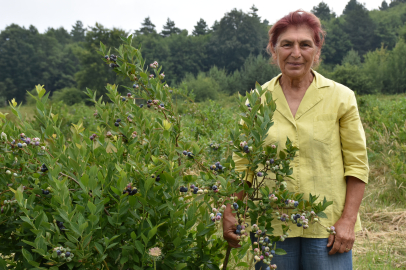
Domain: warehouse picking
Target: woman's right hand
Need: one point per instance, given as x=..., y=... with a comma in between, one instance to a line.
x=229, y=228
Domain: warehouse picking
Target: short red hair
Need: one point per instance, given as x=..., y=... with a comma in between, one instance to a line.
x=297, y=18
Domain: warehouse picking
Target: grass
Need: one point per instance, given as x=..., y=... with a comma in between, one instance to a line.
x=382, y=242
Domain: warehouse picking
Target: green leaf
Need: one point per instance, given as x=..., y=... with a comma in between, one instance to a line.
x=139, y=246
x=321, y=214
x=280, y=251
x=27, y=255
x=92, y=207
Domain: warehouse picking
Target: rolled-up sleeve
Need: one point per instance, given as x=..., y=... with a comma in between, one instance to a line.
x=353, y=142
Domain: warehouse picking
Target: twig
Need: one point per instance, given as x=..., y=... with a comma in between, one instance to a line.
x=226, y=258
x=73, y=179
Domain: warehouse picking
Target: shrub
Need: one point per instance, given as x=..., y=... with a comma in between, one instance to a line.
x=131, y=191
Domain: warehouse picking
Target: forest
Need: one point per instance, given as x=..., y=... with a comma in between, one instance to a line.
x=364, y=50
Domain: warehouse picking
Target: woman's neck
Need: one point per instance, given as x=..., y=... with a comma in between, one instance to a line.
x=296, y=84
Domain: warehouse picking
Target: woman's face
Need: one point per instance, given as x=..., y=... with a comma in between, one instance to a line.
x=295, y=51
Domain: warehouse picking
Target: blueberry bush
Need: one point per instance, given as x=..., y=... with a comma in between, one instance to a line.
x=135, y=186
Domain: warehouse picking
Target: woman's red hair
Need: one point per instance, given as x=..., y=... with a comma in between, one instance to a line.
x=297, y=18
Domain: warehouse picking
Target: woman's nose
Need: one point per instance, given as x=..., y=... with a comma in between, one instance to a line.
x=296, y=51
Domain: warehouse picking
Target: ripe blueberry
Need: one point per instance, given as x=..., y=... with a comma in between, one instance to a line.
x=246, y=149
x=106, y=57
x=44, y=168
x=185, y=152
x=58, y=252
x=235, y=205
x=296, y=203
x=118, y=120
x=19, y=145
x=271, y=161
x=123, y=99
x=67, y=254
x=45, y=192
x=214, y=187
x=189, y=154
x=116, y=124
x=142, y=105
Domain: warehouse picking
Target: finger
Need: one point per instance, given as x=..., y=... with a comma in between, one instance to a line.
x=330, y=240
x=336, y=247
x=343, y=248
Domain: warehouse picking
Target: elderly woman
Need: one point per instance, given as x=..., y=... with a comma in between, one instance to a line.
x=321, y=118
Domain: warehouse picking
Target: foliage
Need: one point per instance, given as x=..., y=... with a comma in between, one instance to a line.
x=112, y=194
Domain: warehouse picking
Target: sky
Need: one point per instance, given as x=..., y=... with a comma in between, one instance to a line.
x=129, y=14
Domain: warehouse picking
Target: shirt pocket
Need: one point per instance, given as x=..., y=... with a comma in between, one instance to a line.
x=323, y=127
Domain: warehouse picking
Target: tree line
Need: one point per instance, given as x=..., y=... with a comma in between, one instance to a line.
x=364, y=50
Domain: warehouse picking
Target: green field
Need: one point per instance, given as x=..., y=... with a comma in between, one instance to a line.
x=382, y=242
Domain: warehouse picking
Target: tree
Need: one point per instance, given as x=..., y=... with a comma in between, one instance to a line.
x=236, y=37
x=384, y=5
x=394, y=3
x=201, y=28
x=169, y=28
x=360, y=27
x=147, y=27
x=78, y=32
x=322, y=11
x=337, y=43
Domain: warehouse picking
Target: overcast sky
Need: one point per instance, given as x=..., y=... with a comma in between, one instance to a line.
x=129, y=14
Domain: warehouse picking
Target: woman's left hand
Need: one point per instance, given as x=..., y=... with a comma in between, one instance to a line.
x=344, y=238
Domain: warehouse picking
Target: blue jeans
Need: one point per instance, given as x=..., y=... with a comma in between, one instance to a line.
x=307, y=254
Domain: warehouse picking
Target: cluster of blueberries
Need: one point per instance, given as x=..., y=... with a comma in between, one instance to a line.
x=112, y=58
x=216, y=167
x=194, y=189
x=215, y=146
x=92, y=136
x=130, y=190
x=60, y=225
x=45, y=191
x=117, y=122
x=64, y=253
x=157, y=178
x=186, y=153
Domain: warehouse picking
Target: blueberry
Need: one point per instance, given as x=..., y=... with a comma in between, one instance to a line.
x=297, y=216
x=260, y=174
x=19, y=145
x=238, y=232
x=106, y=57
x=91, y=138
x=287, y=202
x=135, y=85
x=123, y=99
x=62, y=228
x=59, y=223
x=246, y=149
x=183, y=189
x=271, y=161
x=283, y=219
x=67, y=254
x=44, y=168
x=149, y=101
x=170, y=91
x=299, y=225
x=58, y=252
x=116, y=124
x=195, y=190
x=162, y=105
x=219, y=214
x=214, y=187
x=133, y=191
x=235, y=205
x=273, y=252
x=220, y=167
x=296, y=203
x=185, y=152
x=149, y=105
x=190, y=154
x=118, y=120
x=158, y=178
x=248, y=105
x=192, y=186
x=45, y=191
x=142, y=105
x=125, y=191
x=238, y=227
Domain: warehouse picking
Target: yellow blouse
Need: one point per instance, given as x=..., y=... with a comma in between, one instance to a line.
x=328, y=132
